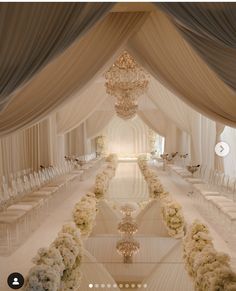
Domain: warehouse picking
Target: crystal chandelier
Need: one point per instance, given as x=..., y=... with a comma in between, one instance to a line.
x=126, y=81
x=127, y=247
x=127, y=226
x=126, y=109
x=127, y=209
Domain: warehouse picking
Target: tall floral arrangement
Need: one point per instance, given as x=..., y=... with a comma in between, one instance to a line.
x=101, y=145
x=152, y=137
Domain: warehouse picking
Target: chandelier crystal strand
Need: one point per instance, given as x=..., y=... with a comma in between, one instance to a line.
x=126, y=81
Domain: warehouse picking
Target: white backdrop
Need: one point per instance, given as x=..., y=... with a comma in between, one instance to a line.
x=127, y=137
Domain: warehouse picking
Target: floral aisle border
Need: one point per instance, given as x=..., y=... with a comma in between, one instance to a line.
x=84, y=213
x=58, y=266
x=209, y=269
x=172, y=214
x=103, y=178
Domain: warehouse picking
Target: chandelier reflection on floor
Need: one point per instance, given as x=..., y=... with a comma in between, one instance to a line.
x=127, y=246
x=126, y=81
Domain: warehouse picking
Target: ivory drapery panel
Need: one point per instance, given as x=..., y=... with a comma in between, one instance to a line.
x=161, y=49
x=219, y=163
x=181, y=115
x=70, y=72
x=97, y=122
x=32, y=34
x=75, y=141
x=155, y=119
x=229, y=136
x=28, y=149
x=80, y=108
x=210, y=29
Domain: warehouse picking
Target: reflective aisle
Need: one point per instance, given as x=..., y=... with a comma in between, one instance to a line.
x=159, y=257
x=128, y=185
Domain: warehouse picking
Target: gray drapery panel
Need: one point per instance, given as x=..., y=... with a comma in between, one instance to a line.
x=32, y=34
x=70, y=72
x=211, y=29
x=161, y=49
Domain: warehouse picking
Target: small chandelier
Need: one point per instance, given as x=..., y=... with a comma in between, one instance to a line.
x=127, y=209
x=126, y=109
x=126, y=81
x=127, y=226
x=127, y=247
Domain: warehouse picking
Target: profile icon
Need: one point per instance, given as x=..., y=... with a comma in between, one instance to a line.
x=15, y=281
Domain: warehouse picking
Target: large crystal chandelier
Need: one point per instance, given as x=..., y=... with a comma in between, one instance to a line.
x=126, y=81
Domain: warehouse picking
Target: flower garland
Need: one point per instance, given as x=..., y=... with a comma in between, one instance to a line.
x=84, y=213
x=57, y=267
x=209, y=269
x=172, y=214
x=103, y=178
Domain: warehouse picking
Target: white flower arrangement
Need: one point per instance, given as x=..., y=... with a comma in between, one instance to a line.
x=43, y=278
x=71, y=280
x=50, y=257
x=58, y=267
x=68, y=249
x=172, y=214
x=84, y=214
x=209, y=269
x=112, y=158
x=103, y=178
x=173, y=217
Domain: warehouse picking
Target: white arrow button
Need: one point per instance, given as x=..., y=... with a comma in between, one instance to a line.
x=222, y=149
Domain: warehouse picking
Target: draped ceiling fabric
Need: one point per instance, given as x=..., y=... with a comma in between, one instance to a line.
x=74, y=69
x=155, y=119
x=80, y=108
x=97, y=122
x=210, y=29
x=32, y=34
x=161, y=49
